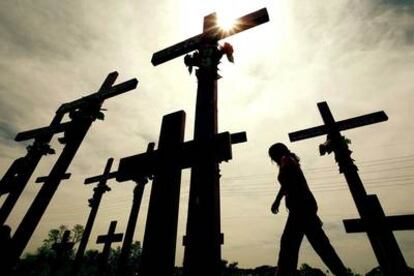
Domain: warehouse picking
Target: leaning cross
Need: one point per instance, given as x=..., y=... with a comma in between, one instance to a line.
x=204, y=238
x=107, y=240
x=83, y=113
x=19, y=173
x=94, y=203
x=374, y=221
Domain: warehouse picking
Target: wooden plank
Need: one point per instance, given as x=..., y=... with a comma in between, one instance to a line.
x=213, y=33
x=396, y=223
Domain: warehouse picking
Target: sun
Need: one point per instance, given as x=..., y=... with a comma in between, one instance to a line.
x=226, y=16
x=226, y=23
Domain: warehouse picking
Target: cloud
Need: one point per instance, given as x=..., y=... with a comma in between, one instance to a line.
x=357, y=55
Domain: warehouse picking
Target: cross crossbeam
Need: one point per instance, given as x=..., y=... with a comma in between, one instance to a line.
x=399, y=222
x=111, y=236
x=359, y=121
x=144, y=164
x=214, y=32
x=43, y=179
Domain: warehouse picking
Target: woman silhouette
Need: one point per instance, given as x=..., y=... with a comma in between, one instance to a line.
x=302, y=219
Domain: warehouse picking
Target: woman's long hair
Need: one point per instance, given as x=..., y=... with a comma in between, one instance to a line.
x=276, y=151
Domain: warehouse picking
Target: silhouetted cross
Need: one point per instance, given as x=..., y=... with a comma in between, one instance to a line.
x=372, y=215
x=107, y=240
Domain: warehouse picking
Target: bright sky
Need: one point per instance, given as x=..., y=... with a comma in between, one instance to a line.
x=356, y=55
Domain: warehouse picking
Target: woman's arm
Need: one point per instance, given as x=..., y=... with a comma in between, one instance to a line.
x=276, y=203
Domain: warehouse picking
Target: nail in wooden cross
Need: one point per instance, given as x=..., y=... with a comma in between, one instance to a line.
x=373, y=219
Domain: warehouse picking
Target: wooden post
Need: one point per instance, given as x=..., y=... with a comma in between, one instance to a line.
x=94, y=203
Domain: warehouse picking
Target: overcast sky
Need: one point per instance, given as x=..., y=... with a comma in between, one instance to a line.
x=356, y=55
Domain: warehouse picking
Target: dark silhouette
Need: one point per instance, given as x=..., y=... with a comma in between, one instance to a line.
x=302, y=219
x=62, y=250
x=107, y=240
x=165, y=165
x=377, y=226
x=94, y=203
x=124, y=268
x=5, y=243
x=83, y=113
x=203, y=240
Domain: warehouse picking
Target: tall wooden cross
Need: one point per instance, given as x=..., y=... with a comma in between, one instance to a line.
x=107, y=240
x=83, y=113
x=374, y=221
x=204, y=238
x=123, y=266
x=94, y=203
x=19, y=173
x=61, y=249
x=165, y=164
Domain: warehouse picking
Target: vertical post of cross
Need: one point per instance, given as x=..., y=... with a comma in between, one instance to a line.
x=160, y=236
x=94, y=203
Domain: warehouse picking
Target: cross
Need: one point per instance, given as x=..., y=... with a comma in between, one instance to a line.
x=83, y=113
x=373, y=219
x=19, y=173
x=61, y=249
x=107, y=240
x=165, y=164
x=204, y=238
x=94, y=203
x=123, y=268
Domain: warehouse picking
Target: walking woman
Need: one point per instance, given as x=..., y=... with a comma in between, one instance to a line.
x=302, y=219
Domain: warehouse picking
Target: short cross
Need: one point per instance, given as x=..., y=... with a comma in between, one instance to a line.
x=107, y=240
x=61, y=249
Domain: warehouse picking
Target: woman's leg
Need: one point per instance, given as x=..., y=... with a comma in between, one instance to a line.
x=289, y=247
x=323, y=247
